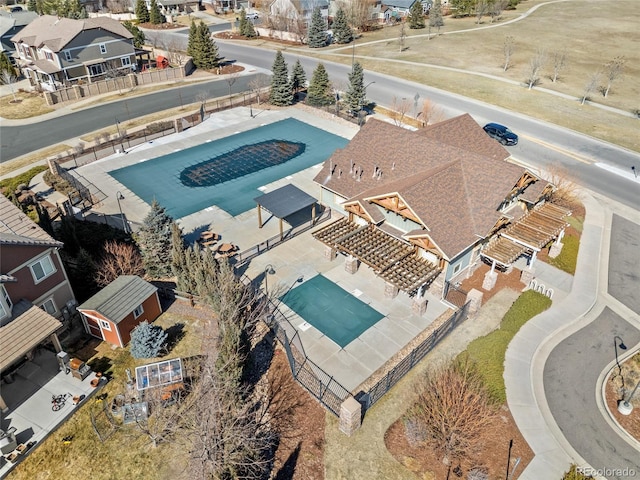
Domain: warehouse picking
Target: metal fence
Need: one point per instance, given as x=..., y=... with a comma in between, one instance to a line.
x=376, y=392
x=454, y=294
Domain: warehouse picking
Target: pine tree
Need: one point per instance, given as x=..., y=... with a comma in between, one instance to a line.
x=298, y=77
x=245, y=25
x=281, y=93
x=416, y=16
x=317, y=30
x=155, y=15
x=207, y=55
x=83, y=275
x=138, y=35
x=154, y=239
x=192, y=44
x=319, y=93
x=435, y=16
x=147, y=340
x=355, y=91
x=142, y=12
x=179, y=259
x=32, y=6
x=341, y=30
x=5, y=65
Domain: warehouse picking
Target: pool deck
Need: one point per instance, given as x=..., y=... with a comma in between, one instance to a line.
x=302, y=255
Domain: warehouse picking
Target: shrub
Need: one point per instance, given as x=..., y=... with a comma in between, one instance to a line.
x=147, y=340
x=574, y=474
x=58, y=183
x=10, y=185
x=488, y=352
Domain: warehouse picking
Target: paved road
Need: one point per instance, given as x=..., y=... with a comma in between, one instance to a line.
x=574, y=366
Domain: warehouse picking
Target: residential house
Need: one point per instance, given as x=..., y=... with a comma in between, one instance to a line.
x=10, y=24
x=429, y=201
x=34, y=289
x=291, y=15
x=54, y=51
x=113, y=312
x=399, y=9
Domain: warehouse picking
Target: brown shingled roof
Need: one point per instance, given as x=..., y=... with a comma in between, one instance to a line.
x=455, y=192
x=18, y=229
x=56, y=32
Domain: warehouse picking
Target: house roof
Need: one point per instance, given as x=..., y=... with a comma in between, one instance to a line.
x=399, y=3
x=30, y=328
x=454, y=192
x=18, y=229
x=285, y=201
x=56, y=32
x=120, y=297
x=8, y=20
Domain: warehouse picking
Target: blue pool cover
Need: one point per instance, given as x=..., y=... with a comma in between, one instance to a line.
x=163, y=178
x=332, y=310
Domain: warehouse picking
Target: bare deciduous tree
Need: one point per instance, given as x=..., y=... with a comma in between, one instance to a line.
x=482, y=9
x=559, y=63
x=231, y=79
x=118, y=259
x=454, y=406
x=175, y=54
x=430, y=113
x=258, y=84
x=590, y=86
x=564, y=192
x=508, y=48
x=535, y=65
x=613, y=71
x=400, y=109
x=8, y=78
x=496, y=8
x=403, y=35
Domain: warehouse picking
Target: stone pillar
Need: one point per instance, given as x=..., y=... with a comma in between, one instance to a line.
x=77, y=91
x=490, y=279
x=350, y=416
x=555, y=249
x=527, y=275
x=474, y=299
x=351, y=264
x=178, y=125
x=419, y=305
x=390, y=290
x=330, y=253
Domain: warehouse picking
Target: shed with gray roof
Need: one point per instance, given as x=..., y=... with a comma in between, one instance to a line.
x=113, y=312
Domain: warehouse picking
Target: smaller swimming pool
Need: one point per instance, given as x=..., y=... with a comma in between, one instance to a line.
x=332, y=310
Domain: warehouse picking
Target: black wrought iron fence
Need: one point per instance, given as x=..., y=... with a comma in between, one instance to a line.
x=376, y=392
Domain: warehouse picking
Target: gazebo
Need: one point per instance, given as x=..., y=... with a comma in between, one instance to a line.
x=284, y=202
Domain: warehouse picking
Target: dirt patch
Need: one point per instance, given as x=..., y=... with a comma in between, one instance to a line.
x=492, y=456
x=300, y=454
x=615, y=391
x=160, y=26
x=229, y=35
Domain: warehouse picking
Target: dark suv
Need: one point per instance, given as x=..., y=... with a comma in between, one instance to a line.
x=501, y=133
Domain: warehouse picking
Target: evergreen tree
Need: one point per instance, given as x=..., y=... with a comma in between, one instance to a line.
x=138, y=35
x=32, y=6
x=342, y=32
x=83, y=275
x=5, y=65
x=179, y=259
x=192, y=43
x=317, y=30
x=245, y=25
x=416, y=16
x=298, y=77
x=154, y=239
x=142, y=12
x=319, y=93
x=355, y=91
x=435, y=16
x=207, y=55
x=281, y=93
x=155, y=15
x=147, y=340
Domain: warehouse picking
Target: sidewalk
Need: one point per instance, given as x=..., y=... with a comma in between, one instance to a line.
x=528, y=351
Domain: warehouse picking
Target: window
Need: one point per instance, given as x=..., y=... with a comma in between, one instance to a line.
x=126, y=61
x=26, y=51
x=138, y=311
x=457, y=268
x=105, y=325
x=103, y=48
x=95, y=69
x=3, y=312
x=67, y=55
x=48, y=55
x=5, y=303
x=49, y=306
x=5, y=296
x=42, y=269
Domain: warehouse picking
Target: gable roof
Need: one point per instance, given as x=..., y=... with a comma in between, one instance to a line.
x=399, y=3
x=56, y=33
x=453, y=191
x=18, y=229
x=120, y=297
x=9, y=20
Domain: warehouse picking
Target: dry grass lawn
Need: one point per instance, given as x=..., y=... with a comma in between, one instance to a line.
x=25, y=105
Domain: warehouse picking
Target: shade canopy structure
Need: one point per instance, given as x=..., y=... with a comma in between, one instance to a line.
x=283, y=202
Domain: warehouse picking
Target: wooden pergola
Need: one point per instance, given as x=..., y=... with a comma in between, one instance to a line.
x=532, y=232
x=395, y=261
